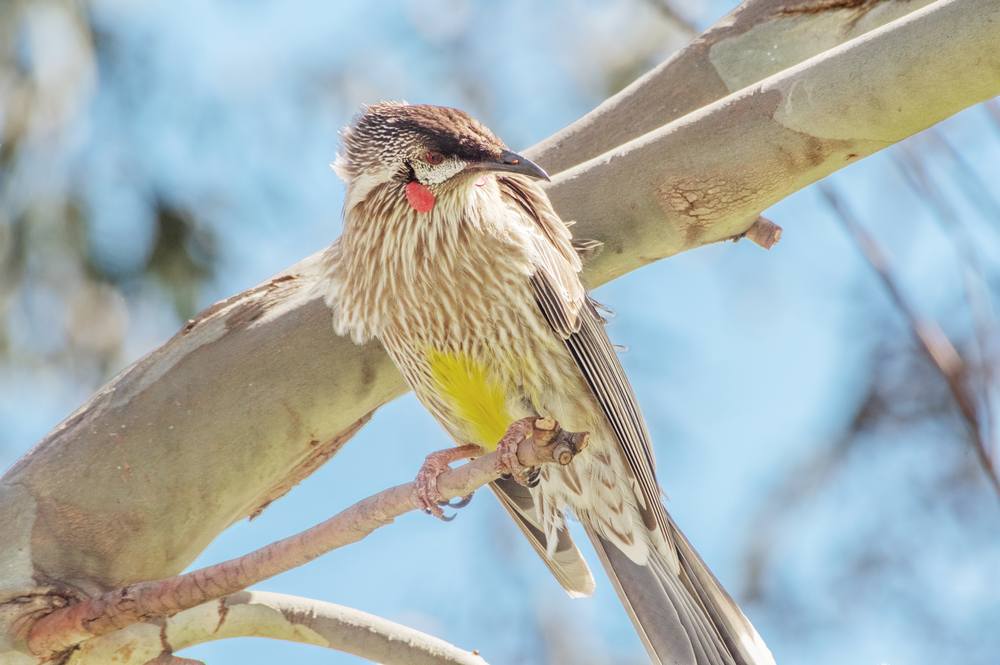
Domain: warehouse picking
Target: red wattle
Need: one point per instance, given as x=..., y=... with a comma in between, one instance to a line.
x=421, y=199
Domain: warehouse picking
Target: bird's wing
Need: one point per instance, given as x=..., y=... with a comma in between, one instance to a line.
x=681, y=612
x=573, y=316
x=564, y=560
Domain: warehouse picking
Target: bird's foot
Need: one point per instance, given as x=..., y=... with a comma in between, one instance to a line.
x=543, y=430
x=457, y=503
x=426, y=491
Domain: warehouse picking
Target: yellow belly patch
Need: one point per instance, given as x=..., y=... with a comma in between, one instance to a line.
x=473, y=393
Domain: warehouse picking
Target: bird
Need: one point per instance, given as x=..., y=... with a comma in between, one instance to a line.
x=453, y=257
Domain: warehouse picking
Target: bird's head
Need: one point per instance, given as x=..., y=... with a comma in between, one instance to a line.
x=421, y=152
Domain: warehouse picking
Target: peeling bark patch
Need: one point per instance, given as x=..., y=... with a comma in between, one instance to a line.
x=316, y=454
x=703, y=201
x=250, y=299
x=249, y=310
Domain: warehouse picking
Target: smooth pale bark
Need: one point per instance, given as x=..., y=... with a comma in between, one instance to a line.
x=256, y=392
x=758, y=39
x=281, y=617
x=705, y=176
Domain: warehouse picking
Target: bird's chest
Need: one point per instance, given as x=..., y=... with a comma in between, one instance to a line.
x=465, y=335
x=451, y=293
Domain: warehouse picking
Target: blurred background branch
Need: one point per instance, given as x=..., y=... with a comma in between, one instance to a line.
x=939, y=349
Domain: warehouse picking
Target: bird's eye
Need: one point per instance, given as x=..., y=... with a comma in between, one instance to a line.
x=433, y=157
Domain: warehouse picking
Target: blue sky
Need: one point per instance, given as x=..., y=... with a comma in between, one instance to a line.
x=746, y=362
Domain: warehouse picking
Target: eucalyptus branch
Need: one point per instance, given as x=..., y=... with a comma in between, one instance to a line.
x=275, y=616
x=143, y=601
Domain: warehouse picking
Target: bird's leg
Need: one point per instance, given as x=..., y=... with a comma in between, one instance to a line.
x=543, y=430
x=427, y=493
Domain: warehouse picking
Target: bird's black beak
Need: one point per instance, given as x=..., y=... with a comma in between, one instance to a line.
x=514, y=163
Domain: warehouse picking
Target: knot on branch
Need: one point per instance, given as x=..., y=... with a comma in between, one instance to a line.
x=763, y=233
x=555, y=444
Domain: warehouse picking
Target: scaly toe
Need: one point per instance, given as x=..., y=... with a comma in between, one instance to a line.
x=425, y=491
x=429, y=506
x=508, y=463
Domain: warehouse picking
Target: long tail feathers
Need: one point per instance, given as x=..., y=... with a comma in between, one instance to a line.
x=564, y=559
x=685, y=619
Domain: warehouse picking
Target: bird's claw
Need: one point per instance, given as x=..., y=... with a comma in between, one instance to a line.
x=458, y=503
x=544, y=432
x=519, y=431
x=426, y=489
x=530, y=477
x=426, y=492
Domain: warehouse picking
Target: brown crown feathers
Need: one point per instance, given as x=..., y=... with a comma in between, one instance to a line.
x=385, y=131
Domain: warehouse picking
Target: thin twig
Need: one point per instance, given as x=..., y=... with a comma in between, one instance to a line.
x=116, y=609
x=275, y=616
x=968, y=177
x=669, y=12
x=973, y=275
x=933, y=341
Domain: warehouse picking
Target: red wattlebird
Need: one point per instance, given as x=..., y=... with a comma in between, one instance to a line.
x=453, y=257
